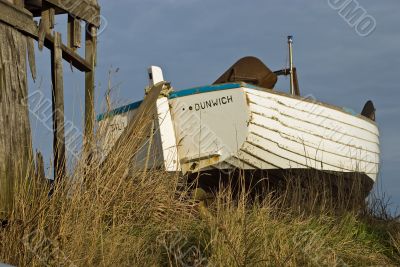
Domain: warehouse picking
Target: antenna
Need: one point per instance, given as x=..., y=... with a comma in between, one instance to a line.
x=290, y=43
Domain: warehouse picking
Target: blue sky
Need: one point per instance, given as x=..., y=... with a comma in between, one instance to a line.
x=195, y=41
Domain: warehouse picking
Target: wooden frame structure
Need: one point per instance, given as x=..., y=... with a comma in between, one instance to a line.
x=20, y=14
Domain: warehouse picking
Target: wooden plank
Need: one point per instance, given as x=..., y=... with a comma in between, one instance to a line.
x=23, y=22
x=44, y=28
x=77, y=34
x=58, y=110
x=322, y=116
x=74, y=33
x=52, y=18
x=18, y=18
x=47, y=22
x=86, y=10
x=90, y=54
x=70, y=32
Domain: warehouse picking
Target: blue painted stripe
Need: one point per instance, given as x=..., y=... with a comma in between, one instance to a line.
x=183, y=93
x=119, y=110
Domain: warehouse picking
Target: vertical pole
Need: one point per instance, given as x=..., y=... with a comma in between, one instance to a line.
x=58, y=109
x=90, y=51
x=90, y=55
x=290, y=42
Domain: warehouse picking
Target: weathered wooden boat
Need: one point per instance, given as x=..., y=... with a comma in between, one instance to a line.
x=240, y=123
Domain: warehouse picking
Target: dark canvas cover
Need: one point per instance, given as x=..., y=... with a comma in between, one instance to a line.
x=250, y=70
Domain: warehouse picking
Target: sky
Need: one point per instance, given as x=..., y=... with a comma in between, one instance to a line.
x=196, y=41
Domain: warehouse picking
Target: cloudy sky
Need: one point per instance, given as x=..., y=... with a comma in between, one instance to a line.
x=195, y=41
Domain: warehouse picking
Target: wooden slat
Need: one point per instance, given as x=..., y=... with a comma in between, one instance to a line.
x=74, y=33
x=314, y=157
x=44, y=27
x=47, y=22
x=52, y=18
x=311, y=145
x=77, y=33
x=310, y=107
x=70, y=32
x=318, y=124
x=58, y=110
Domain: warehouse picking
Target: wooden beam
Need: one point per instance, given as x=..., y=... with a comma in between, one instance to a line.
x=23, y=21
x=90, y=54
x=84, y=9
x=19, y=18
x=69, y=55
x=58, y=110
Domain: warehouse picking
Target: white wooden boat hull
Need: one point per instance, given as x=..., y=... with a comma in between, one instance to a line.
x=239, y=126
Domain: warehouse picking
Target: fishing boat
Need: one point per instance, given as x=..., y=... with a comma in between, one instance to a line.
x=240, y=123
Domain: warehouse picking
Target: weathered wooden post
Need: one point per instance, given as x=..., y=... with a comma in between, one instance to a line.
x=15, y=136
x=58, y=109
x=90, y=54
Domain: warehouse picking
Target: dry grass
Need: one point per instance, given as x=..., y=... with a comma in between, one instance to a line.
x=143, y=220
x=102, y=216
